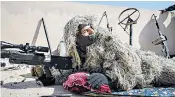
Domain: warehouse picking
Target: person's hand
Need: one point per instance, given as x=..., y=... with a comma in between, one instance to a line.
x=97, y=79
x=46, y=81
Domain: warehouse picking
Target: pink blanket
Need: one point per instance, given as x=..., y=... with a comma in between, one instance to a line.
x=77, y=82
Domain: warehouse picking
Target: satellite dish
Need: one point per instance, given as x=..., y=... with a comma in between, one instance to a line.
x=128, y=17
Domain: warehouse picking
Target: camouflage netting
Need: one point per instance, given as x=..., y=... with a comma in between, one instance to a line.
x=122, y=62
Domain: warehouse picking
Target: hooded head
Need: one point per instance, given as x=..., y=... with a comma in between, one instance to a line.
x=86, y=35
x=71, y=31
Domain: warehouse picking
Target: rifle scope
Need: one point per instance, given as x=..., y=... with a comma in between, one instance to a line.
x=25, y=47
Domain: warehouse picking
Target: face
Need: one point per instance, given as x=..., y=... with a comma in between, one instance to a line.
x=86, y=37
x=87, y=30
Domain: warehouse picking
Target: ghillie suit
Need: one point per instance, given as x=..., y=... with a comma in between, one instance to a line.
x=69, y=36
x=126, y=66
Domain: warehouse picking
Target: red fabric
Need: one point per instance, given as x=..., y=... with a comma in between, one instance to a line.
x=77, y=82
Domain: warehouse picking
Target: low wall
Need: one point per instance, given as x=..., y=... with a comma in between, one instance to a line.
x=19, y=21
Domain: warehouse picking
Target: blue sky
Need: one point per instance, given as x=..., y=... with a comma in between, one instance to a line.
x=152, y=5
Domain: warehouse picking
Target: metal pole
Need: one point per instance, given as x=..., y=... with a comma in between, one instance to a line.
x=47, y=37
x=36, y=33
x=130, y=42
